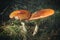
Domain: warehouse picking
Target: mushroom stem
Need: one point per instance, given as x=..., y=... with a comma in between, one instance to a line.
x=35, y=30
x=23, y=26
x=24, y=31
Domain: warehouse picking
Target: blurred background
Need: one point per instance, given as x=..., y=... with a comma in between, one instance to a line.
x=49, y=27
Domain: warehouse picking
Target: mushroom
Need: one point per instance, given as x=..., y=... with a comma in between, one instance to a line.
x=21, y=15
x=41, y=14
x=26, y=15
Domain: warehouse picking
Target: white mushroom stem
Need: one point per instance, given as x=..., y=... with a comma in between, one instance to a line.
x=24, y=30
x=35, y=30
x=23, y=26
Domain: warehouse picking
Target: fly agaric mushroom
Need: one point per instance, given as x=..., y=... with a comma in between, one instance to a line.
x=41, y=14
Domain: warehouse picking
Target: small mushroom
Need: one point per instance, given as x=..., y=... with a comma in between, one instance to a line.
x=40, y=14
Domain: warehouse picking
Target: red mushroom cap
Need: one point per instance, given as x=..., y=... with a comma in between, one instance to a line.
x=20, y=14
x=42, y=14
